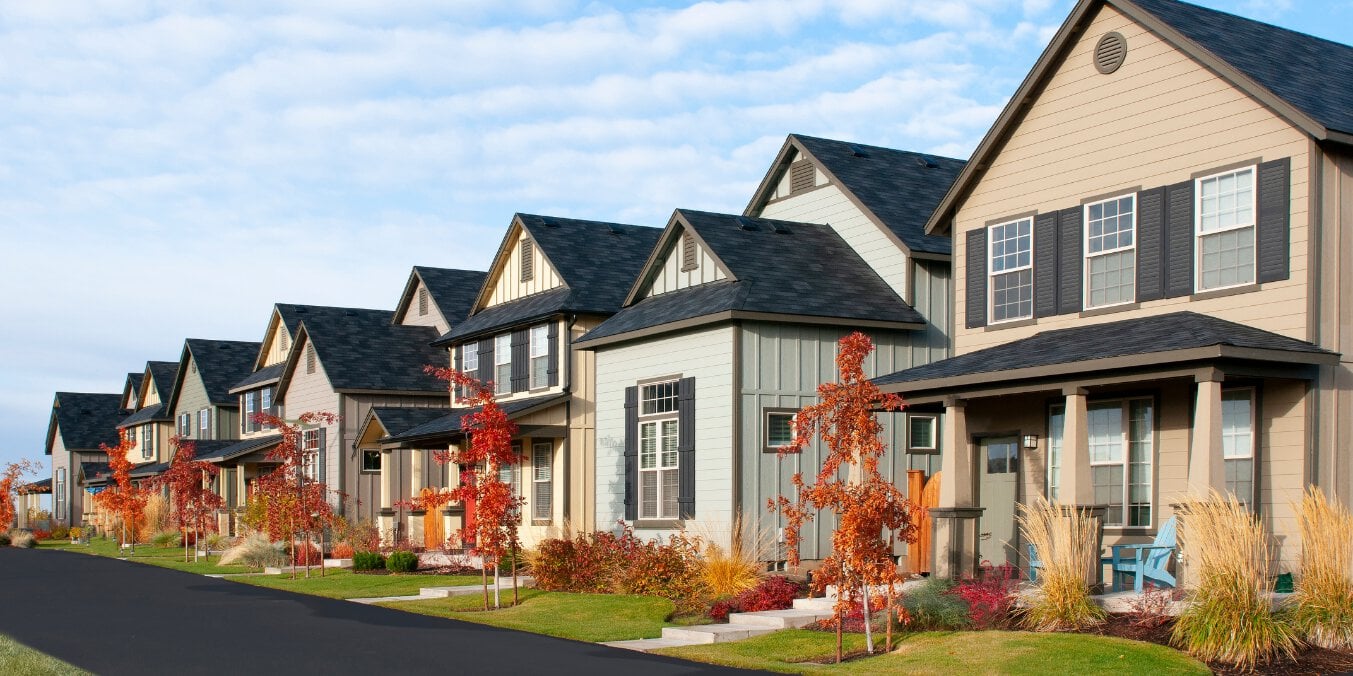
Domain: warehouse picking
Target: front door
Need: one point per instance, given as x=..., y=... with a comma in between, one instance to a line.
x=999, y=462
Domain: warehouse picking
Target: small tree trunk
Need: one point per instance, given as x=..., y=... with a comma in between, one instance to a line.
x=185, y=544
x=868, y=626
x=889, y=610
x=839, y=621
x=515, y=600
x=498, y=582
x=484, y=572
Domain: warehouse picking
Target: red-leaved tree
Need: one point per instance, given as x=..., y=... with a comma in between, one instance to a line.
x=296, y=506
x=870, y=511
x=192, y=501
x=489, y=435
x=13, y=472
x=123, y=499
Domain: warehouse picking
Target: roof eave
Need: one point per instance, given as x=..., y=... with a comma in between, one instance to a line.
x=731, y=315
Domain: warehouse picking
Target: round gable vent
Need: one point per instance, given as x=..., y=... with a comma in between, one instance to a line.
x=1110, y=52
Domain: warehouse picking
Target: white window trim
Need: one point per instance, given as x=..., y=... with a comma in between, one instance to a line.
x=992, y=274
x=657, y=420
x=765, y=427
x=467, y=354
x=1124, y=435
x=309, y=454
x=502, y=357
x=1198, y=233
x=544, y=329
x=1085, y=249
x=934, y=433
x=204, y=423
x=548, y=447
x=1254, y=431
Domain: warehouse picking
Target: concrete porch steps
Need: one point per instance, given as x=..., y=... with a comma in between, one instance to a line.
x=714, y=633
x=794, y=618
x=740, y=626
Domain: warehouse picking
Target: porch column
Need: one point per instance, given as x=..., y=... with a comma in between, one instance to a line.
x=1206, y=470
x=1074, y=483
x=387, y=512
x=954, y=521
x=416, y=485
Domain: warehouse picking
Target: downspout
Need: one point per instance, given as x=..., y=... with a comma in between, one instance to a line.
x=567, y=358
x=735, y=534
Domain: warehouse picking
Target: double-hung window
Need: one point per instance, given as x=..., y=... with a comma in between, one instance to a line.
x=310, y=453
x=1225, y=229
x=147, y=442
x=1121, y=448
x=1012, y=271
x=658, y=440
x=469, y=359
x=1056, y=425
x=250, y=409
x=502, y=363
x=510, y=474
x=265, y=405
x=60, y=495
x=1111, y=252
x=204, y=424
x=1237, y=442
x=540, y=356
x=542, y=479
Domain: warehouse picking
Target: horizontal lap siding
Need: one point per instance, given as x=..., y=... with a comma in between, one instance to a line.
x=705, y=355
x=1156, y=121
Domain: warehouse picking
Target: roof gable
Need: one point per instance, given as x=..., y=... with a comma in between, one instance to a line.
x=451, y=292
x=131, y=391
x=277, y=338
x=668, y=268
x=507, y=279
x=361, y=350
x=217, y=364
x=84, y=420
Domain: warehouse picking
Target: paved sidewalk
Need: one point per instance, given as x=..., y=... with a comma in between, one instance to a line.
x=115, y=617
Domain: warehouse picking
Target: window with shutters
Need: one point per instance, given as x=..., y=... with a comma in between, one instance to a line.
x=1121, y=448
x=659, y=475
x=502, y=363
x=540, y=356
x=185, y=424
x=1111, y=252
x=422, y=302
x=267, y=406
x=1237, y=442
x=59, y=495
x=542, y=480
x=310, y=453
x=469, y=359
x=310, y=359
x=1011, y=270
x=528, y=261
x=1224, y=221
x=147, y=442
x=131, y=434
x=689, y=259
x=204, y=424
x=250, y=408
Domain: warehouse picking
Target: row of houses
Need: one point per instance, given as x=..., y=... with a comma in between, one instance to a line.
x=1138, y=288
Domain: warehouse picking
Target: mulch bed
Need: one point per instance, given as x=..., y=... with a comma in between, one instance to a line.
x=1308, y=661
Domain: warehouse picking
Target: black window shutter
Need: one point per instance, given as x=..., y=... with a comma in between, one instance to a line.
x=552, y=368
x=1045, y=265
x=486, y=370
x=631, y=453
x=521, y=360
x=319, y=457
x=686, y=448
x=1179, y=239
x=976, y=297
x=1271, y=253
x=1070, y=232
x=1150, y=244
x=458, y=355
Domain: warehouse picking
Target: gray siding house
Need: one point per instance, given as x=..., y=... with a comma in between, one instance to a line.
x=79, y=423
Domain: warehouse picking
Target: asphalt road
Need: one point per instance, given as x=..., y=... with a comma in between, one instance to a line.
x=115, y=617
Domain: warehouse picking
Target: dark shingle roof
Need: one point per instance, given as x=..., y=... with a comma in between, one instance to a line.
x=780, y=267
x=95, y=472
x=221, y=364
x=901, y=188
x=453, y=291
x=396, y=421
x=145, y=414
x=85, y=420
x=149, y=470
x=263, y=375
x=162, y=373
x=598, y=262
x=1138, y=336
x=1312, y=74
x=362, y=350
x=39, y=486
x=449, y=423
x=236, y=449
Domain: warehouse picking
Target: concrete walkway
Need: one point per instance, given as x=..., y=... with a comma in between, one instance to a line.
x=523, y=581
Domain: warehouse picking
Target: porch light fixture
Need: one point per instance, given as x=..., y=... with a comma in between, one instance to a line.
x=1031, y=441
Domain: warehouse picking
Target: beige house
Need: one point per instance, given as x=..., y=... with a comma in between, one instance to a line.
x=1154, y=283
x=80, y=422
x=151, y=425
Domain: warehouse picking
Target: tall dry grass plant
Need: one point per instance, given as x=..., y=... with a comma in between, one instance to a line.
x=1231, y=617
x=1067, y=544
x=1322, y=608
x=156, y=514
x=729, y=571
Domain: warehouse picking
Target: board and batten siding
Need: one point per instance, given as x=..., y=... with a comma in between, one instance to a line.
x=581, y=446
x=828, y=205
x=1334, y=323
x=671, y=277
x=707, y=356
x=433, y=317
x=279, y=342
x=782, y=366
x=191, y=398
x=345, y=457
x=61, y=459
x=1159, y=120
x=507, y=286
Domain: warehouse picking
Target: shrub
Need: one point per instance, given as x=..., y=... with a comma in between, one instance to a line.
x=1067, y=544
x=5, y=539
x=671, y=571
x=1231, y=619
x=401, y=562
x=40, y=535
x=217, y=542
x=363, y=535
x=76, y=533
x=1322, y=609
x=729, y=572
x=584, y=564
x=60, y=533
x=342, y=550
x=155, y=516
x=933, y=607
x=255, y=551
x=305, y=554
x=990, y=596
x=166, y=538
x=1152, y=608
x=367, y=561
x=23, y=539
x=772, y=593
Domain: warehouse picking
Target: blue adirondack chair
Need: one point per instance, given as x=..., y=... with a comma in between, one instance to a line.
x=1145, y=562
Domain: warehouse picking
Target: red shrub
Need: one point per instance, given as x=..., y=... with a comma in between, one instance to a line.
x=773, y=593
x=990, y=595
x=342, y=550
x=604, y=563
x=303, y=554
x=39, y=534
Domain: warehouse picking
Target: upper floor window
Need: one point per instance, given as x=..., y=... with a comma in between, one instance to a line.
x=310, y=453
x=1012, y=273
x=185, y=424
x=540, y=356
x=131, y=434
x=1225, y=229
x=502, y=363
x=1111, y=252
x=147, y=442
x=658, y=398
x=204, y=423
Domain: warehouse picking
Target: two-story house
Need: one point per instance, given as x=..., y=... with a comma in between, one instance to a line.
x=552, y=280
x=80, y=422
x=1155, y=293
x=151, y=425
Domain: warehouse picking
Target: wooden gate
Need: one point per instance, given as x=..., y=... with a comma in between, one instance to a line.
x=924, y=494
x=432, y=522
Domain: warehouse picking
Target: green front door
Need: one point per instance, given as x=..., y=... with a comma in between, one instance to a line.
x=999, y=461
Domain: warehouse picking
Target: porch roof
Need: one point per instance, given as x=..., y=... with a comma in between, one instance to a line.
x=239, y=448
x=40, y=486
x=1143, y=342
x=448, y=426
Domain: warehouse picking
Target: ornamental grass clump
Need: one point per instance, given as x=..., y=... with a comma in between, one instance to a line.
x=255, y=551
x=166, y=539
x=729, y=571
x=1066, y=541
x=1322, y=608
x=1231, y=618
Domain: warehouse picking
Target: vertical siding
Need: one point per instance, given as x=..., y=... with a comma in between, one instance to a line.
x=581, y=445
x=671, y=277
x=434, y=316
x=507, y=286
x=1333, y=278
x=829, y=205
x=276, y=354
x=704, y=355
x=192, y=397
x=61, y=460
x=345, y=455
x=312, y=393
x=933, y=297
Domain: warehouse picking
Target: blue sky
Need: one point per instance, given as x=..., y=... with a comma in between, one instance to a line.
x=169, y=170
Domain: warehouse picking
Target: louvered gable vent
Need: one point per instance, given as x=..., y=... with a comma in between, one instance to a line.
x=802, y=176
x=689, y=260
x=528, y=261
x=1110, y=52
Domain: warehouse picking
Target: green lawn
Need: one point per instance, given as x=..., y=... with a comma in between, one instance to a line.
x=581, y=617
x=988, y=652
x=340, y=583
x=17, y=659
x=164, y=557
